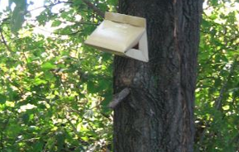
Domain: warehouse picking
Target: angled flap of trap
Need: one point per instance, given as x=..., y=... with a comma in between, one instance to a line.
x=122, y=35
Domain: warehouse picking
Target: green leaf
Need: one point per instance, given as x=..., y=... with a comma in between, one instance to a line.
x=38, y=147
x=214, y=2
x=49, y=76
x=48, y=66
x=56, y=23
x=113, y=2
x=3, y=99
x=38, y=81
x=91, y=87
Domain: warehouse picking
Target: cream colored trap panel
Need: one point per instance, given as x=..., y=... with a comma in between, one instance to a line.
x=119, y=33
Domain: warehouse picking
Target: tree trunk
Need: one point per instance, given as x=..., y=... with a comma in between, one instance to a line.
x=157, y=116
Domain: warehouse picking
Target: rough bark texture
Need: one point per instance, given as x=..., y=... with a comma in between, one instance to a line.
x=157, y=116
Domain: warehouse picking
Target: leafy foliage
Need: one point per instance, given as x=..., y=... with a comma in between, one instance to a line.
x=55, y=90
x=218, y=80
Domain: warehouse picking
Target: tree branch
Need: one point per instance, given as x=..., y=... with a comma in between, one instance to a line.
x=224, y=86
x=46, y=6
x=94, y=8
x=4, y=41
x=88, y=3
x=119, y=97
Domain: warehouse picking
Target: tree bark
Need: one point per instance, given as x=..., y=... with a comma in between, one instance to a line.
x=157, y=116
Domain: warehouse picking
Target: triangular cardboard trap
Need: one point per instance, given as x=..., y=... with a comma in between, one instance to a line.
x=122, y=35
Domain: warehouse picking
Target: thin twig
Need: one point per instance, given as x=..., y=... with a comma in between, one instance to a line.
x=94, y=8
x=119, y=97
x=87, y=23
x=72, y=125
x=224, y=86
x=46, y=6
x=5, y=42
